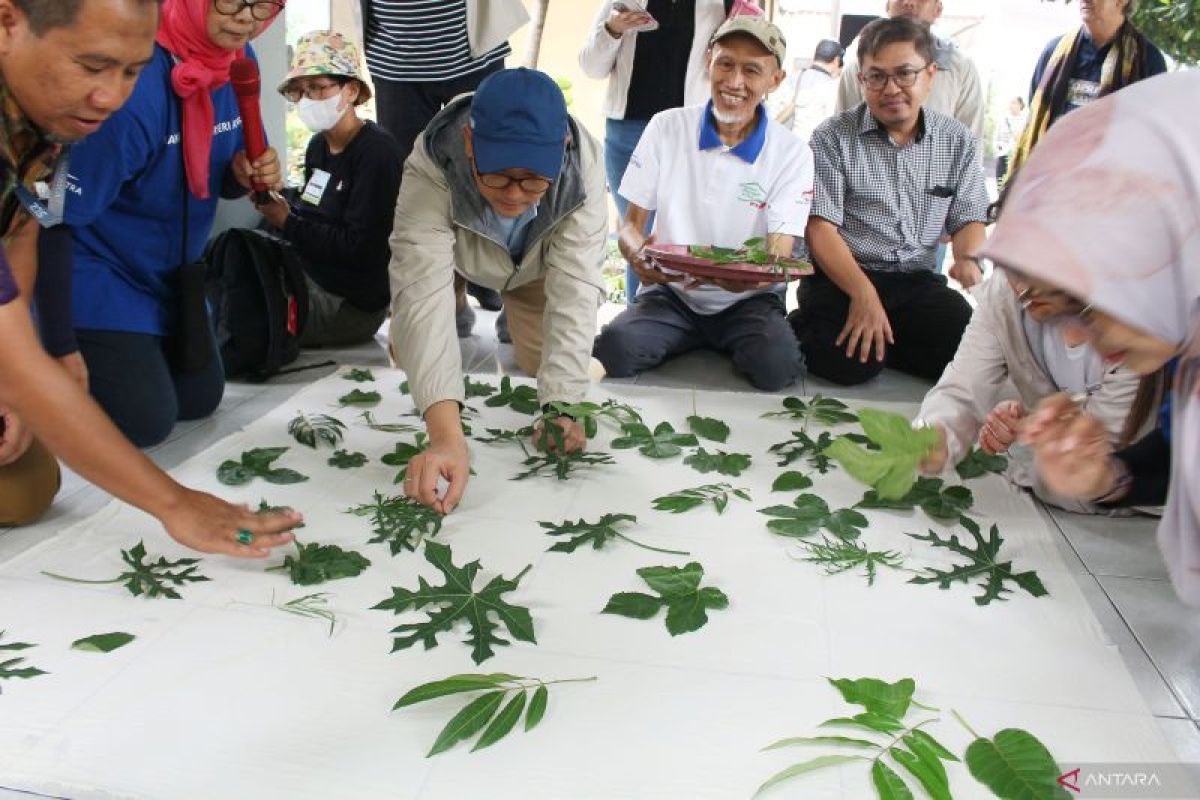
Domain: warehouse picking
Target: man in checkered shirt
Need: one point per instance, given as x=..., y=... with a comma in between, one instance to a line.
x=890, y=177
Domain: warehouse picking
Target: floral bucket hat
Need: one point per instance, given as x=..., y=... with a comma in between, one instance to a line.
x=325, y=53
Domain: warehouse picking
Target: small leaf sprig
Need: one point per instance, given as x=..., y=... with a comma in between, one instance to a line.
x=316, y=429
x=983, y=564
x=589, y=414
x=154, y=579
x=597, y=533
x=9, y=668
x=679, y=591
x=732, y=464
x=520, y=398
x=310, y=606
x=317, y=563
x=484, y=713
x=399, y=522
x=256, y=463
x=683, y=500
x=801, y=445
x=822, y=410
x=388, y=427
x=404, y=452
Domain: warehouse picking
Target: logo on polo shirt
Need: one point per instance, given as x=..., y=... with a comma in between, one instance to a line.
x=752, y=193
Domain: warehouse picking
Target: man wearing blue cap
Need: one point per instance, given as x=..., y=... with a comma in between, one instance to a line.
x=506, y=190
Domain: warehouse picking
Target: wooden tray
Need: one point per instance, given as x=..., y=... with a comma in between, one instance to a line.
x=677, y=257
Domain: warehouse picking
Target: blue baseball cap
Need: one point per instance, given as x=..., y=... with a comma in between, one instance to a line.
x=519, y=121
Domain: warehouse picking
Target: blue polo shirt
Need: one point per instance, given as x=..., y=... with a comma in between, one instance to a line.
x=747, y=149
x=1085, y=78
x=125, y=204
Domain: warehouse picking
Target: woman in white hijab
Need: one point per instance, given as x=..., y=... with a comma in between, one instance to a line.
x=1106, y=212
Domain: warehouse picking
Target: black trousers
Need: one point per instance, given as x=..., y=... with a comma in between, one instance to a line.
x=404, y=108
x=927, y=318
x=132, y=381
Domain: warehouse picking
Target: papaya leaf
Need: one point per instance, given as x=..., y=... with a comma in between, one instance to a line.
x=892, y=469
x=8, y=666
x=984, y=565
x=977, y=463
x=153, y=579
x=400, y=522
x=679, y=590
x=1015, y=766
x=686, y=499
x=316, y=429
x=724, y=463
x=103, y=642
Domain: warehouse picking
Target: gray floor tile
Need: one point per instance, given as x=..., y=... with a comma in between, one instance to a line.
x=1168, y=630
x=1184, y=737
x=1114, y=546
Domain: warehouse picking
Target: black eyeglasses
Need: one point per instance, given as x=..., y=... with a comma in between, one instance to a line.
x=905, y=77
x=261, y=10
x=498, y=180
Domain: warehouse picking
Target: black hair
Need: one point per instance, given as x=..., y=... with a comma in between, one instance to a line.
x=46, y=15
x=883, y=32
x=829, y=51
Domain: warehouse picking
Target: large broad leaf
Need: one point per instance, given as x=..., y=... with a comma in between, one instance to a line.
x=679, y=588
x=457, y=599
x=1015, y=766
x=877, y=696
x=892, y=469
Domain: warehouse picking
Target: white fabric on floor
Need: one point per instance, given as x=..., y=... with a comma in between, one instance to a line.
x=223, y=696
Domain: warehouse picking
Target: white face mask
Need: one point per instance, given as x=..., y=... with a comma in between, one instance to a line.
x=320, y=115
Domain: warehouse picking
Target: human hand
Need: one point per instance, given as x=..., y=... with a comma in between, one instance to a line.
x=621, y=22
x=15, y=437
x=76, y=367
x=1071, y=450
x=646, y=268
x=206, y=523
x=265, y=170
x=935, y=461
x=450, y=460
x=275, y=211
x=966, y=272
x=1001, y=427
x=867, y=324
x=573, y=437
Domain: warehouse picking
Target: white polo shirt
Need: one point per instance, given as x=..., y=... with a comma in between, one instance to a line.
x=704, y=193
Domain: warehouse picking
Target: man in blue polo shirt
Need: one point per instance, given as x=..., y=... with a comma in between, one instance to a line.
x=716, y=174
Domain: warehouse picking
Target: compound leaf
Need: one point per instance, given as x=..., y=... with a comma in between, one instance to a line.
x=724, y=463
x=257, y=463
x=977, y=463
x=686, y=499
x=680, y=591
x=662, y=442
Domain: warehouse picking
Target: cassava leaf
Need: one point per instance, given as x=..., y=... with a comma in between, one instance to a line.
x=977, y=463
x=686, y=499
x=984, y=565
x=791, y=481
x=358, y=375
x=1015, y=766
x=343, y=459
x=662, y=442
x=400, y=522
x=596, y=533
x=724, y=463
x=103, y=642
x=457, y=600
x=714, y=430
x=257, y=463
x=316, y=429
x=679, y=590
x=317, y=563
x=357, y=397
x=520, y=398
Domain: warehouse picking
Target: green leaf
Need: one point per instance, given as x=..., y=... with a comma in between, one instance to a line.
x=687, y=499
x=231, y=473
x=791, y=482
x=8, y=667
x=343, y=459
x=891, y=469
x=983, y=565
x=503, y=723
x=477, y=388
x=455, y=684
x=822, y=410
x=596, y=533
x=888, y=784
x=404, y=388
x=820, y=762
x=808, y=514
x=149, y=580
x=838, y=555
x=977, y=463
x=709, y=428
x=868, y=721
x=876, y=696
x=388, y=427
x=559, y=464
x=102, y=642
x=457, y=600
x=467, y=722
x=358, y=375
x=934, y=745
x=801, y=445
x=318, y=563
x=404, y=452
x=929, y=496
x=400, y=522
x=930, y=774
x=283, y=475
x=357, y=397
x=1015, y=766
x=316, y=429
x=662, y=442
x=720, y=461
x=537, y=708
x=680, y=591
x=841, y=741
x=520, y=398
x=257, y=463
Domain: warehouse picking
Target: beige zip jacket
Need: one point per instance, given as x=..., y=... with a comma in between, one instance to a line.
x=441, y=228
x=993, y=359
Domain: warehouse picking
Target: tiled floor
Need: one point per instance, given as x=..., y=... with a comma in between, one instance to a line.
x=1115, y=561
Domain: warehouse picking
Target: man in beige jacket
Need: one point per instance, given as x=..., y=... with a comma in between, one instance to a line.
x=505, y=189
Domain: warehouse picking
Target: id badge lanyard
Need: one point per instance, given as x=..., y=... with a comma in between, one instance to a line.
x=48, y=204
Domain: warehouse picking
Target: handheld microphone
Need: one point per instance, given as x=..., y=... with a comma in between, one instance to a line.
x=243, y=74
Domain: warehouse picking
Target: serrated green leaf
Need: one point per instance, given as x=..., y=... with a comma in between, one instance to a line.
x=1015, y=766
x=714, y=430
x=984, y=565
x=876, y=696
x=888, y=784
x=398, y=521
x=791, y=481
x=149, y=580
x=467, y=722
x=820, y=762
x=537, y=708
x=892, y=469
x=503, y=723
x=103, y=642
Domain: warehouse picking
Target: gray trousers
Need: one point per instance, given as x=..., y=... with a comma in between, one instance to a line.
x=332, y=322
x=658, y=326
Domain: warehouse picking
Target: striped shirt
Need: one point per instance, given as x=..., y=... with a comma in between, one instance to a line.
x=422, y=40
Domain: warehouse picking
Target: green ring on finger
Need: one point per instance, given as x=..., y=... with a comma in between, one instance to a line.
x=244, y=536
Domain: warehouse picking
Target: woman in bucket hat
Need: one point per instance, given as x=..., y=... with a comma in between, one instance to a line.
x=341, y=220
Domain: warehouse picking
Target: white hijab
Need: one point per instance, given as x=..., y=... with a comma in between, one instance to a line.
x=1108, y=209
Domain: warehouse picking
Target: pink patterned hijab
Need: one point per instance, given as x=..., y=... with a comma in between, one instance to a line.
x=202, y=67
x=1108, y=209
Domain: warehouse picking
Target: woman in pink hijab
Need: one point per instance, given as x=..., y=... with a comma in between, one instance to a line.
x=1106, y=214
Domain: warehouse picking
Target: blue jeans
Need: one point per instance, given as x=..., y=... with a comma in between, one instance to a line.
x=620, y=138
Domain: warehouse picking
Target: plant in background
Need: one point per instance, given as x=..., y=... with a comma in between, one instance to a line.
x=358, y=375
x=679, y=591
x=317, y=563
x=978, y=463
x=457, y=600
x=344, y=459
x=927, y=494
x=484, y=713
x=256, y=463
x=732, y=464
x=983, y=564
x=596, y=533
x=801, y=445
x=821, y=410
x=522, y=399
x=388, y=427
x=316, y=429
x=892, y=469
x=398, y=521
x=686, y=499
x=662, y=442
x=148, y=580
x=403, y=453
x=8, y=666
x=102, y=642
x=357, y=397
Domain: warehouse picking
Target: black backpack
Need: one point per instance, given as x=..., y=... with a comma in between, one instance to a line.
x=259, y=301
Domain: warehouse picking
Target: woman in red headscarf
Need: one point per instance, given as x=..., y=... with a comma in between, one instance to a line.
x=141, y=201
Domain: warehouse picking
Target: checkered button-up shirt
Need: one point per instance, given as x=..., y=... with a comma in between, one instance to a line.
x=892, y=202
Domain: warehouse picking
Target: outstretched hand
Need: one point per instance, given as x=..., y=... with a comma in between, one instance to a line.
x=211, y=525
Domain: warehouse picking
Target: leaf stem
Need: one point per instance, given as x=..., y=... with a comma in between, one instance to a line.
x=78, y=580
x=521, y=574
x=900, y=736
x=655, y=549
x=963, y=722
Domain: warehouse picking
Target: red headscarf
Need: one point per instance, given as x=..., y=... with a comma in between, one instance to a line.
x=202, y=67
